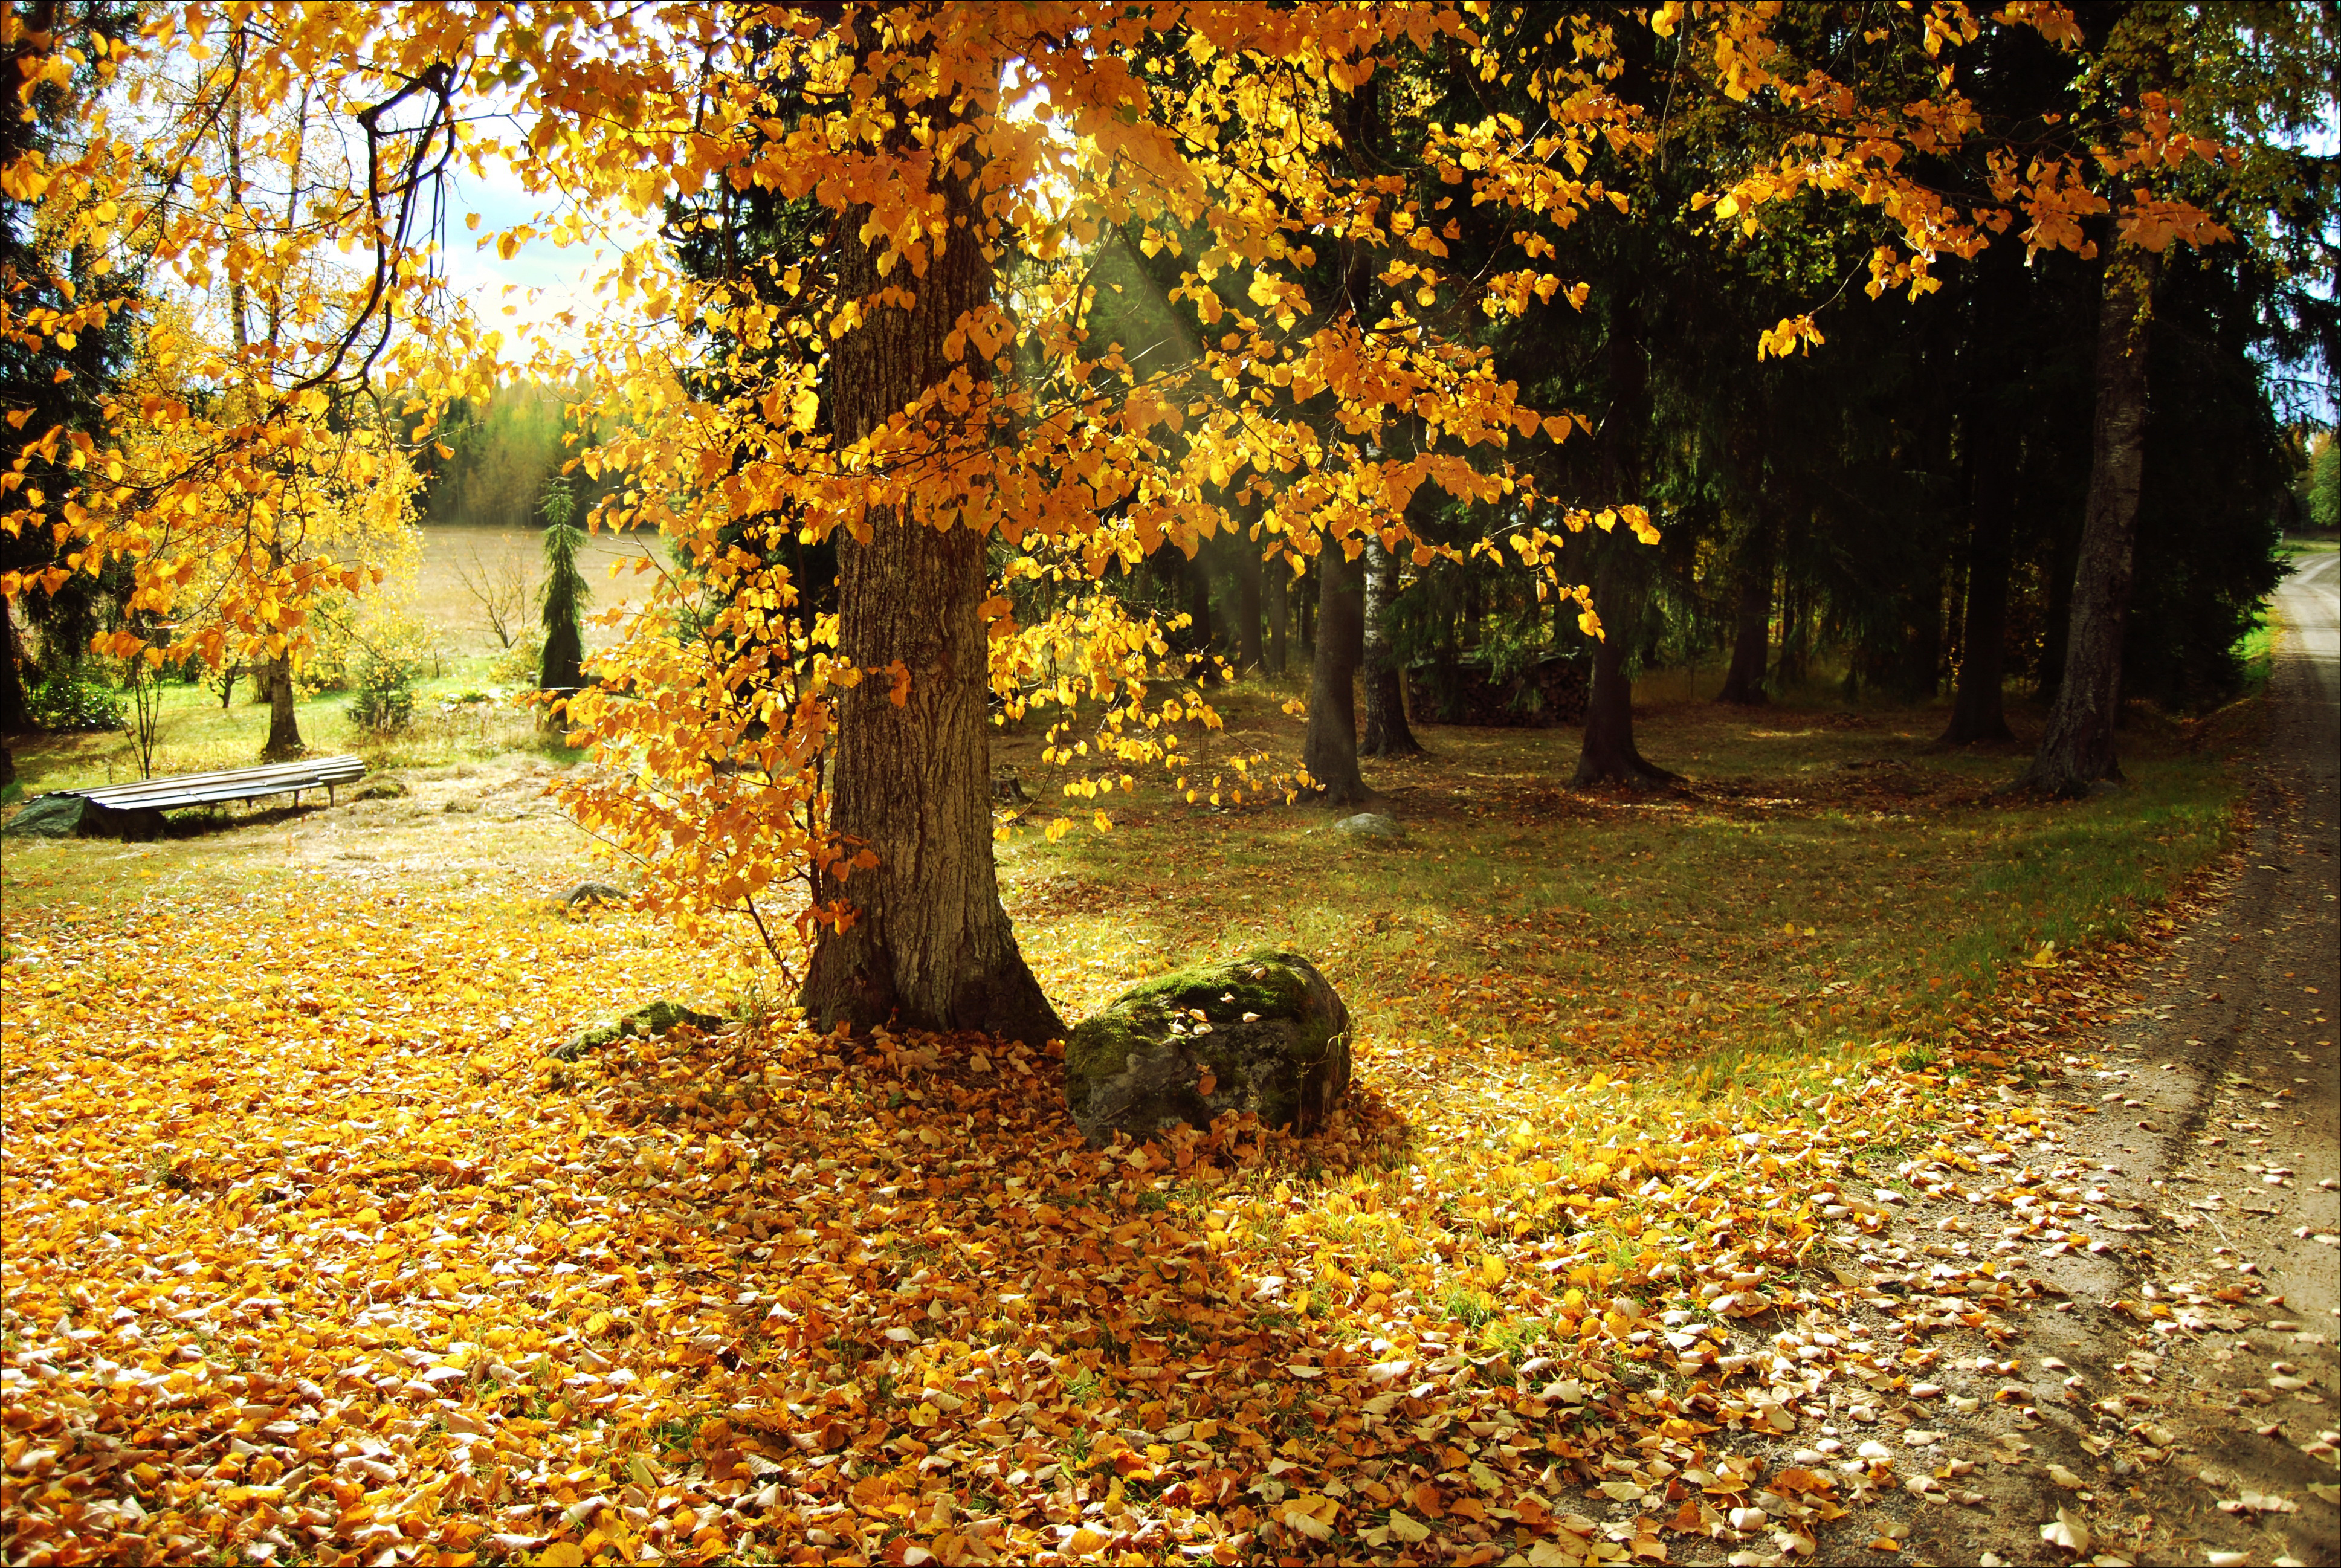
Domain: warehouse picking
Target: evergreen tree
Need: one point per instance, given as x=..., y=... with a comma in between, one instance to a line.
x=565, y=592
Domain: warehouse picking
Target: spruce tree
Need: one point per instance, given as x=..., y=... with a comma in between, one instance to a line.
x=565, y=592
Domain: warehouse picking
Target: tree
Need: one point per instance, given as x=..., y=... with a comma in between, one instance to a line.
x=1388, y=733
x=236, y=481
x=928, y=941
x=561, y=666
x=1331, y=321
x=1329, y=752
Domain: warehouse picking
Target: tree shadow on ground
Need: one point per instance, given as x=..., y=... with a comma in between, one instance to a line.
x=907, y=1263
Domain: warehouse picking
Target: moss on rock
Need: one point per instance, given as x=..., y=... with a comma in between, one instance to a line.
x=1263, y=1033
x=655, y=1019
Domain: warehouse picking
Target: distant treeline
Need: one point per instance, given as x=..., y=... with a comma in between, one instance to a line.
x=503, y=449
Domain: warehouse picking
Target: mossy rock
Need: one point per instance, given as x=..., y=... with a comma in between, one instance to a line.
x=72, y=817
x=1264, y=1033
x=654, y=1019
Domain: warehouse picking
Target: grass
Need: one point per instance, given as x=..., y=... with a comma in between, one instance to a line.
x=198, y=735
x=1823, y=897
x=1603, y=1042
x=1825, y=881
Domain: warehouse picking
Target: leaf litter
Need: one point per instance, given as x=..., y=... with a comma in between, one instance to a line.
x=320, y=1258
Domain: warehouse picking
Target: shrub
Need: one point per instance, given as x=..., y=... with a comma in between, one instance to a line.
x=329, y=665
x=385, y=687
x=518, y=665
x=65, y=701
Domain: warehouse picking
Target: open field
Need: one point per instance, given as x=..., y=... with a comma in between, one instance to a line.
x=453, y=551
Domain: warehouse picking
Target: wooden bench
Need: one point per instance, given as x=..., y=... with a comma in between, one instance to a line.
x=242, y=784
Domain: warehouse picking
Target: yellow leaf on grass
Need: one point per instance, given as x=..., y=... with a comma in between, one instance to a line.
x=561, y=1555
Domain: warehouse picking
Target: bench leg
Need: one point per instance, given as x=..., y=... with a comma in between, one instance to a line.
x=329, y=796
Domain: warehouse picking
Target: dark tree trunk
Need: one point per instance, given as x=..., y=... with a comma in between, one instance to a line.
x=929, y=946
x=1329, y=752
x=1752, y=638
x=1794, y=664
x=16, y=708
x=1200, y=663
x=7, y=765
x=1387, y=732
x=1610, y=753
x=1248, y=575
x=283, y=724
x=1279, y=612
x=2076, y=750
x=1979, y=711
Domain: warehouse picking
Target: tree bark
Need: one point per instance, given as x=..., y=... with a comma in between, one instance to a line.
x=1608, y=754
x=1279, y=612
x=1387, y=731
x=1199, y=664
x=1248, y=575
x=1979, y=711
x=928, y=945
x=1609, y=751
x=1329, y=751
x=1751, y=640
x=2078, y=749
x=15, y=707
x=283, y=724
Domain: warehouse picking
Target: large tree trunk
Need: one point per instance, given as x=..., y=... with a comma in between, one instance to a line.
x=1610, y=754
x=1978, y=712
x=1329, y=752
x=284, y=725
x=15, y=707
x=2078, y=749
x=1751, y=639
x=1248, y=575
x=1279, y=612
x=928, y=945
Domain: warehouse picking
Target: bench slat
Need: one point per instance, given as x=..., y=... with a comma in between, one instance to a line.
x=239, y=784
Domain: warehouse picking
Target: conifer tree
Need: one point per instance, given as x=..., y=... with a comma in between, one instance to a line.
x=565, y=592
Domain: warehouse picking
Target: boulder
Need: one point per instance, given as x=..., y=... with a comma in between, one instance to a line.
x=656, y=1019
x=1368, y=824
x=1264, y=1033
x=73, y=816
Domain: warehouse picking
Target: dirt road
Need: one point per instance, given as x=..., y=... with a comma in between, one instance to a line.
x=2179, y=1405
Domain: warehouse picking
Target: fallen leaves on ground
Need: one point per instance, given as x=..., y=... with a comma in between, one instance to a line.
x=314, y=1257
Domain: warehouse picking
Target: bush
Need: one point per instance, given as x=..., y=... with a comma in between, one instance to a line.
x=330, y=663
x=385, y=687
x=518, y=665
x=69, y=702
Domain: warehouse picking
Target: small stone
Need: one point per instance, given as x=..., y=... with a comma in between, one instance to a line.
x=1369, y=825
